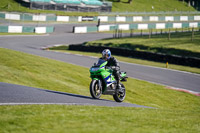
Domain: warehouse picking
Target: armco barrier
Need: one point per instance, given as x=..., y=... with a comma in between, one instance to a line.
x=52, y=17
x=26, y=17
x=49, y=29
x=40, y=17
x=4, y=29
x=42, y=30
x=15, y=29
x=137, y=26
x=148, y=18
x=26, y=29
x=186, y=61
x=2, y=15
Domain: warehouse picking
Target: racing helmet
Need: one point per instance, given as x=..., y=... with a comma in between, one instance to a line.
x=106, y=54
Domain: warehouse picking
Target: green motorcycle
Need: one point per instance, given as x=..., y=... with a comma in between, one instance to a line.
x=103, y=82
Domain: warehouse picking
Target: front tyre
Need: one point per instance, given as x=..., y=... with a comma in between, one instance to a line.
x=95, y=89
x=120, y=96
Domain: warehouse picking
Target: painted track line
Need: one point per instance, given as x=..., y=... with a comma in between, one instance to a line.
x=184, y=90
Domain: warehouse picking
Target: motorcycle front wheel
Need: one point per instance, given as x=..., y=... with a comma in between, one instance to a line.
x=118, y=96
x=95, y=89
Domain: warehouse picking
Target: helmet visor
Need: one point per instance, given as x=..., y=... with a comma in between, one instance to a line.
x=105, y=56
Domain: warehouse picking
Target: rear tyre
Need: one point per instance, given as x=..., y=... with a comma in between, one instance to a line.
x=95, y=89
x=118, y=96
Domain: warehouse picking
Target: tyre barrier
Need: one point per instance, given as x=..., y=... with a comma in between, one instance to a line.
x=158, y=57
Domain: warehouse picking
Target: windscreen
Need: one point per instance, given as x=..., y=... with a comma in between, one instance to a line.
x=100, y=61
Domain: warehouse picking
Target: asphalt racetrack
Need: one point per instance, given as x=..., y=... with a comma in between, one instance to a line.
x=17, y=95
x=63, y=35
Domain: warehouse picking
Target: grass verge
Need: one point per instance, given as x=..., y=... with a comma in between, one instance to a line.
x=177, y=111
x=73, y=119
x=150, y=6
x=179, y=44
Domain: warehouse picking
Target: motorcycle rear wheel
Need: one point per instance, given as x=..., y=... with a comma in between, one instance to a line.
x=119, y=97
x=95, y=89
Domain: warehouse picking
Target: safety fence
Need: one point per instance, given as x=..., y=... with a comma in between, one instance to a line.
x=54, y=18
x=26, y=29
x=136, y=26
x=73, y=6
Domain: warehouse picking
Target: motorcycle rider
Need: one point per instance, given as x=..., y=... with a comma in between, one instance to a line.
x=113, y=64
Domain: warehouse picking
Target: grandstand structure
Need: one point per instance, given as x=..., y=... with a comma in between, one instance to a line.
x=71, y=5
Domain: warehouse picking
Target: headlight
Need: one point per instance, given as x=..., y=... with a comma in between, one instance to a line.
x=95, y=69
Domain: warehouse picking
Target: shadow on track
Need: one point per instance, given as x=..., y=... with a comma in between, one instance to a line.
x=74, y=95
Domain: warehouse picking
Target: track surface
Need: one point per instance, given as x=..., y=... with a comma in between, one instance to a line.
x=63, y=35
x=16, y=94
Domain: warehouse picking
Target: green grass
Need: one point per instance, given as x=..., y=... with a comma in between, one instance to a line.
x=176, y=111
x=179, y=44
x=73, y=119
x=43, y=73
x=146, y=6
x=136, y=6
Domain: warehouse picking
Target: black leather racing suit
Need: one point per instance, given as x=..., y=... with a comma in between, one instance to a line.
x=114, y=64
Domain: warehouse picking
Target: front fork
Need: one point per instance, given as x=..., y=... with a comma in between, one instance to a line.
x=100, y=84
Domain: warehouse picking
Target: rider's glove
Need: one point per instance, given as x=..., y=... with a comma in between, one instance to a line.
x=107, y=67
x=112, y=67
